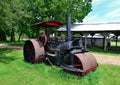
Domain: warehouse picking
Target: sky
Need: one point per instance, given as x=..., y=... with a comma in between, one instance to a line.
x=104, y=11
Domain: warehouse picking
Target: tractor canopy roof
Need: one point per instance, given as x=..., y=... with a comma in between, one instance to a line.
x=48, y=24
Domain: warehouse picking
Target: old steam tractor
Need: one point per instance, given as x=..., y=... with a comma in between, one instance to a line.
x=69, y=54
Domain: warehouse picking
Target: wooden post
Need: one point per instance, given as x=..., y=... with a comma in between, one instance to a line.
x=85, y=43
x=117, y=34
x=92, y=43
x=105, y=43
x=105, y=34
x=116, y=40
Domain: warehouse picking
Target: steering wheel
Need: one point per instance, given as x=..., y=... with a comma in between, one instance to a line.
x=42, y=37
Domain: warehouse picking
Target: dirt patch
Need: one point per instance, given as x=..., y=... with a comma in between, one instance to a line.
x=11, y=46
x=107, y=59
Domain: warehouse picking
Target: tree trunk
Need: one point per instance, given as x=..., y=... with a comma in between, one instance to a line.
x=19, y=36
x=2, y=36
x=12, y=35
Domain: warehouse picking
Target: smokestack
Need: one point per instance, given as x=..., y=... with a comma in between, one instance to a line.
x=68, y=25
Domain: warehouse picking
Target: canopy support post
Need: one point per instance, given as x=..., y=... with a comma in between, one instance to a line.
x=105, y=34
x=85, y=42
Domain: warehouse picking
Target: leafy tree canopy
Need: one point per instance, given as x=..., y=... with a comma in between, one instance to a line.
x=17, y=16
x=57, y=9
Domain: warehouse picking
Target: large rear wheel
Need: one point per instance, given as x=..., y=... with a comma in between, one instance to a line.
x=33, y=51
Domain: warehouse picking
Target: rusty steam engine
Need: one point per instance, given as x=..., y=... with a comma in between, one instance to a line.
x=69, y=55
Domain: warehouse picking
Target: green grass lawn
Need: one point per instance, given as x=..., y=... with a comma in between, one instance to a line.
x=112, y=52
x=114, y=43
x=21, y=43
x=14, y=71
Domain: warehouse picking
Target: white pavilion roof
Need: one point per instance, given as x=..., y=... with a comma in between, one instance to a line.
x=114, y=26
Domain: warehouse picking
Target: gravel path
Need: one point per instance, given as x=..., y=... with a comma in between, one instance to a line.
x=11, y=46
x=107, y=59
x=101, y=58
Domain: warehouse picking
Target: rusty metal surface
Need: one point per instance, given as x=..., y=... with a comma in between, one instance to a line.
x=33, y=51
x=88, y=61
x=45, y=37
x=50, y=23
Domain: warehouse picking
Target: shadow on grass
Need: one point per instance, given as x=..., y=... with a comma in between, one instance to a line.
x=21, y=43
x=6, y=56
x=6, y=60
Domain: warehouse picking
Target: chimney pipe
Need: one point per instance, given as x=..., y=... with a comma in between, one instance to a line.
x=68, y=26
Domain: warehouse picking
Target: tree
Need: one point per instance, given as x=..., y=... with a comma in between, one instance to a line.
x=2, y=15
x=20, y=19
x=57, y=9
x=17, y=16
x=14, y=16
x=43, y=10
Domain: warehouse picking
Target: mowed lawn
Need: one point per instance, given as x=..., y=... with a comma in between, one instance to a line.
x=14, y=71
